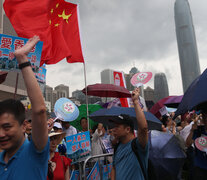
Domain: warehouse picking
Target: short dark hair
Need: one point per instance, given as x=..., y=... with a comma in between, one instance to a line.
x=14, y=107
x=82, y=119
x=131, y=127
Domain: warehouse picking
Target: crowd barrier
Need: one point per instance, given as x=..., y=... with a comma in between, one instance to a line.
x=82, y=168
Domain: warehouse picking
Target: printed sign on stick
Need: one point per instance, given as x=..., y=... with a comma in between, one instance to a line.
x=8, y=44
x=78, y=146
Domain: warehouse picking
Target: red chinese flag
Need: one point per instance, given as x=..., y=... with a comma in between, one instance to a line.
x=55, y=21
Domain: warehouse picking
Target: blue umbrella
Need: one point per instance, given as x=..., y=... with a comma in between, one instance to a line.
x=104, y=115
x=165, y=154
x=195, y=96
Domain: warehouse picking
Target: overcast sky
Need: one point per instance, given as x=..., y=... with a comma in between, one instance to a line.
x=118, y=34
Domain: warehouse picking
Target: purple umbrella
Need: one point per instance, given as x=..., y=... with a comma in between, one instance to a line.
x=115, y=102
x=173, y=101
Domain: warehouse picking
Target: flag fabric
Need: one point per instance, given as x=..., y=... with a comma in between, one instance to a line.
x=119, y=80
x=55, y=21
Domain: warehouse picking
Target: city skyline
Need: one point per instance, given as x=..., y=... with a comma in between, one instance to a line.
x=115, y=38
x=120, y=35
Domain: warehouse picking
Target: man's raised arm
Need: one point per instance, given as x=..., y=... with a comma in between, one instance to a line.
x=39, y=117
x=142, y=133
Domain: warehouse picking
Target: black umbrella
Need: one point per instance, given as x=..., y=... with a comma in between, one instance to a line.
x=195, y=96
x=104, y=115
x=166, y=155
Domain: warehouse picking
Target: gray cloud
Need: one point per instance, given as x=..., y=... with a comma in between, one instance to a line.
x=118, y=33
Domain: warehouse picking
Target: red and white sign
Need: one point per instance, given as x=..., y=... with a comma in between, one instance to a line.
x=141, y=78
x=201, y=143
x=119, y=80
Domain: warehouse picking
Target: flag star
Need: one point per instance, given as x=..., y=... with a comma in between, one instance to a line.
x=50, y=21
x=51, y=11
x=64, y=16
x=56, y=25
x=57, y=5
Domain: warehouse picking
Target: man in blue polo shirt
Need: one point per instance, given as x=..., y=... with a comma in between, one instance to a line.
x=22, y=159
x=125, y=163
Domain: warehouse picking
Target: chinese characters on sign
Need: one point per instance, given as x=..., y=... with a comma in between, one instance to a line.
x=78, y=146
x=8, y=44
x=95, y=173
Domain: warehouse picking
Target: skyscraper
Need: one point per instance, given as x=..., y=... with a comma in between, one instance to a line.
x=128, y=77
x=107, y=76
x=62, y=91
x=160, y=87
x=186, y=40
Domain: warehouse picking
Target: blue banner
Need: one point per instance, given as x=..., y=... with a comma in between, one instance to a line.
x=78, y=146
x=8, y=44
x=41, y=74
x=95, y=173
x=75, y=175
x=106, y=172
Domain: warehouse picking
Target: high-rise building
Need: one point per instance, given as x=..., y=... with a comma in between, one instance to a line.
x=128, y=77
x=186, y=40
x=49, y=93
x=52, y=95
x=79, y=95
x=149, y=94
x=62, y=91
x=160, y=87
x=107, y=76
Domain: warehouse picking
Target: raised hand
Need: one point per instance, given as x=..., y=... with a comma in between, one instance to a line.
x=22, y=52
x=50, y=124
x=135, y=94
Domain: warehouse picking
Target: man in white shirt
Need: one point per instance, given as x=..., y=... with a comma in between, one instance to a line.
x=68, y=129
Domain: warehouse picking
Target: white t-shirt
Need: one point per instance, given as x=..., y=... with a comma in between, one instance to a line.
x=184, y=133
x=70, y=131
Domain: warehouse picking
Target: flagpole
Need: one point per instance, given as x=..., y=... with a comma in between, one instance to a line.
x=84, y=66
x=16, y=85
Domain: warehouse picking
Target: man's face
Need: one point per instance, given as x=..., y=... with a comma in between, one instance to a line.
x=66, y=125
x=11, y=132
x=121, y=131
x=84, y=124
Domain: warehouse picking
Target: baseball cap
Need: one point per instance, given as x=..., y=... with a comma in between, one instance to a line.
x=123, y=119
x=57, y=125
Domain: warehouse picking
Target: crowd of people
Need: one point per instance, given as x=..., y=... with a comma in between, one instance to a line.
x=34, y=147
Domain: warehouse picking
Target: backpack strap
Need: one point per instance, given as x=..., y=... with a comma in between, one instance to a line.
x=135, y=150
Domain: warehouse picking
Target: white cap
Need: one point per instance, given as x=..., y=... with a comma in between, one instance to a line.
x=58, y=125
